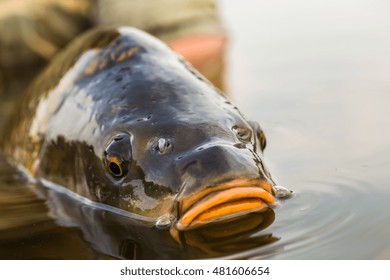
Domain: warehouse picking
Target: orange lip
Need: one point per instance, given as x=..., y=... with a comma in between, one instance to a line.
x=224, y=202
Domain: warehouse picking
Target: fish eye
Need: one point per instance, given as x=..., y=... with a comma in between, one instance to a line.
x=263, y=141
x=259, y=134
x=117, y=155
x=115, y=167
x=243, y=134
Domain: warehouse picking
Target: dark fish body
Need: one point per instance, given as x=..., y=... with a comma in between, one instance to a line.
x=120, y=119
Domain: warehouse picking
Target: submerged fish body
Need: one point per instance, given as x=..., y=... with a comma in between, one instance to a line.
x=120, y=119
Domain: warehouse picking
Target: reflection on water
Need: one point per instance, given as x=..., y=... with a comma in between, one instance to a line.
x=315, y=75
x=52, y=223
x=314, y=224
x=26, y=229
x=224, y=239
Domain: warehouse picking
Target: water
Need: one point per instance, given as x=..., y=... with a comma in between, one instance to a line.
x=315, y=76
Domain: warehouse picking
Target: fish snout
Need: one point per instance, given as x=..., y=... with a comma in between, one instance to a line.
x=218, y=162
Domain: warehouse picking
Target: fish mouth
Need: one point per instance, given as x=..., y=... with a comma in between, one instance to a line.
x=224, y=202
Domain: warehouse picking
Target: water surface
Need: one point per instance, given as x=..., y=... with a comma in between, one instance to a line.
x=316, y=77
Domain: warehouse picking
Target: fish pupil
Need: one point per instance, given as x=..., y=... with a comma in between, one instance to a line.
x=115, y=169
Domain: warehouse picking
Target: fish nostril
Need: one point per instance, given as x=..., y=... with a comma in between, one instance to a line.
x=240, y=145
x=163, y=146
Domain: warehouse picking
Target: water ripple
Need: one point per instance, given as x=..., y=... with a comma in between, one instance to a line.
x=326, y=220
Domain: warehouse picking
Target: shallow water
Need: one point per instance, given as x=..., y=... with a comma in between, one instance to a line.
x=315, y=76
